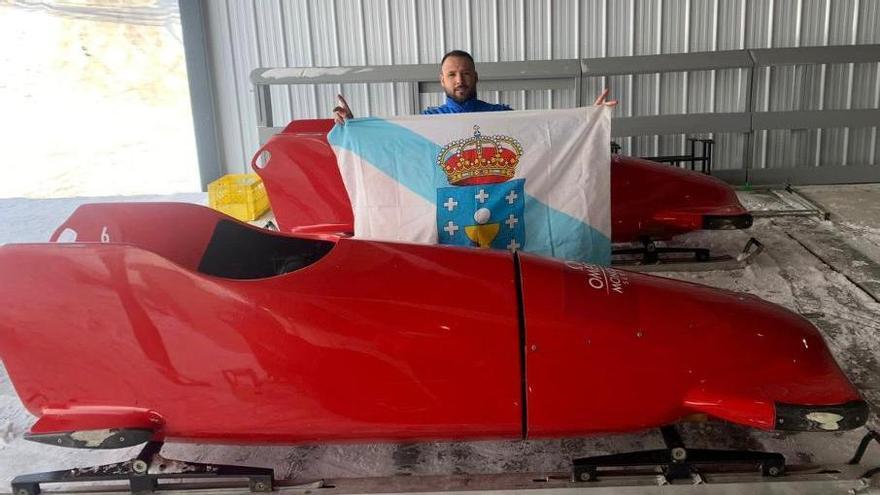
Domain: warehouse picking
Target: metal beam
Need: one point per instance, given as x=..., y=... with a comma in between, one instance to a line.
x=651, y=64
x=345, y=75
x=569, y=74
x=201, y=90
x=540, y=74
x=680, y=124
x=815, y=119
x=850, y=174
x=507, y=84
x=817, y=55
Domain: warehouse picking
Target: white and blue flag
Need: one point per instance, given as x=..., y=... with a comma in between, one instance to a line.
x=535, y=181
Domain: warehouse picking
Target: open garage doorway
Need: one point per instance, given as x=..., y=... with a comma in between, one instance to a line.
x=94, y=100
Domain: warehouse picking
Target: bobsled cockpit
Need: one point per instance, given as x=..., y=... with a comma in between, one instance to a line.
x=194, y=237
x=240, y=252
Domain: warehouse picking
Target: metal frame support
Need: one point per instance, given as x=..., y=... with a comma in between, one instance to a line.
x=264, y=105
x=566, y=74
x=678, y=462
x=144, y=472
x=749, y=145
x=193, y=19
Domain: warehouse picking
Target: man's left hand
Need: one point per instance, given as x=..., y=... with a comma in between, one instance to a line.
x=602, y=99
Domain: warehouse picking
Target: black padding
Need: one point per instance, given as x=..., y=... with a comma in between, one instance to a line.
x=727, y=222
x=240, y=252
x=795, y=417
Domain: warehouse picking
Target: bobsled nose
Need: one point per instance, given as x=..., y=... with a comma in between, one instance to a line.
x=788, y=381
x=656, y=350
x=767, y=415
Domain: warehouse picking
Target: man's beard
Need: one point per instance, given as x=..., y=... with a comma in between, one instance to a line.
x=472, y=92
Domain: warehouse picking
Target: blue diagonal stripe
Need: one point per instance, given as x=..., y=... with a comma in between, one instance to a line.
x=572, y=238
x=398, y=152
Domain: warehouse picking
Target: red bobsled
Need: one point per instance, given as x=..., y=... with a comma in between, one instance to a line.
x=649, y=201
x=174, y=321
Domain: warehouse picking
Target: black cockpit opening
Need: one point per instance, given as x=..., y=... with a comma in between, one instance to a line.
x=241, y=252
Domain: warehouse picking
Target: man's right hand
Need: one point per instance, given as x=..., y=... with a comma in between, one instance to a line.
x=342, y=112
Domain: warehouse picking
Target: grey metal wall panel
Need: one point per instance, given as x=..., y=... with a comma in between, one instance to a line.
x=759, y=23
x=674, y=30
x=484, y=18
x=564, y=30
x=299, y=49
x=538, y=45
x=592, y=22
x=621, y=32
x=376, y=50
x=702, y=27
x=242, y=28
x=326, y=33
x=786, y=29
x=816, y=23
x=270, y=23
x=844, y=22
x=227, y=96
x=731, y=24
x=431, y=29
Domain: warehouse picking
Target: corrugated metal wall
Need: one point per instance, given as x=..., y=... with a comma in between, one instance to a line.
x=245, y=34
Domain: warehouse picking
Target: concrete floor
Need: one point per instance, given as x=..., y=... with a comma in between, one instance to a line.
x=829, y=271
x=858, y=204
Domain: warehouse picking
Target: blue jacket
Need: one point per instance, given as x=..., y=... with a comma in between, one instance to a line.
x=472, y=105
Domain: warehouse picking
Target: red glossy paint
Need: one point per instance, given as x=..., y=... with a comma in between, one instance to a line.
x=301, y=357
x=82, y=418
x=651, y=200
x=379, y=341
x=303, y=182
x=648, y=200
x=637, y=351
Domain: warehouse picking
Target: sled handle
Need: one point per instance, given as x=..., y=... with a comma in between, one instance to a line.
x=258, y=156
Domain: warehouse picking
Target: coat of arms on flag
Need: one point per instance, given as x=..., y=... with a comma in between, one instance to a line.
x=535, y=181
x=485, y=206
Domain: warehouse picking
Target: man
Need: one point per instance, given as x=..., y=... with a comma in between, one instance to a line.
x=458, y=77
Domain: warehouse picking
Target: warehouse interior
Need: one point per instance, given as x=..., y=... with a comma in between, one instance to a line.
x=773, y=103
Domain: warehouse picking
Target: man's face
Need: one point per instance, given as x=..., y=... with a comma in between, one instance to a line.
x=458, y=76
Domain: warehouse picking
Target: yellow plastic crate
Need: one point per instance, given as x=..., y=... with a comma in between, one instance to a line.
x=242, y=196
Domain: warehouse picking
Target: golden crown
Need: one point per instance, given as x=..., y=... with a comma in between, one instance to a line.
x=480, y=159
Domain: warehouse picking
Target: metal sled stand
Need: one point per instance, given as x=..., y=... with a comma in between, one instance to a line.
x=730, y=471
x=144, y=472
x=677, y=462
x=673, y=470
x=649, y=258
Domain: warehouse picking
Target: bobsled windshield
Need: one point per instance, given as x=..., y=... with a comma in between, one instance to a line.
x=239, y=252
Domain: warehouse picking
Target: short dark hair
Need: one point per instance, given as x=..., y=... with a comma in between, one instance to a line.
x=457, y=53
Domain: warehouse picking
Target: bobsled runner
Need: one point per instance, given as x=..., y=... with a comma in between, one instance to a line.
x=143, y=322
x=650, y=202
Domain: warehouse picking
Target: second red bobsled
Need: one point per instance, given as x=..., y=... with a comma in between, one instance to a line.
x=172, y=320
x=649, y=201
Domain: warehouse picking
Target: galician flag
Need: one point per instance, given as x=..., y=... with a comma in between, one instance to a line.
x=535, y=181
